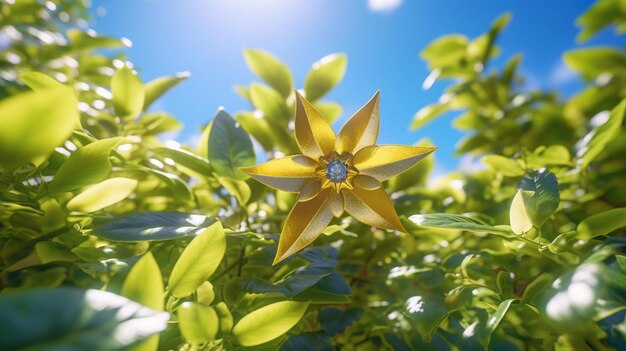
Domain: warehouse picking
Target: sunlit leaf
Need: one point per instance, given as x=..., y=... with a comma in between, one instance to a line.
x=602, y=223
x=128, y=93
x=454, y=221
x=145, y=285
x=268, y=322
x=427, y=313
x=198, y=323
x=503, y=165
x=595, y=142
x=541, y=195
x=65, y=318
x=270, y=69
x=518, y=214
x=198, y=261
x=39, y=81
x=270, y=103
x=186, y=159
x=157, y=87
x=34, y=123
x=325, y=74
x=103, y=194
x=154, y=226
x=229, y=147
x=88, y=165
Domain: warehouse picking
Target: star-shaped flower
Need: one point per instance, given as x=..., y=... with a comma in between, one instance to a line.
x=336, y=173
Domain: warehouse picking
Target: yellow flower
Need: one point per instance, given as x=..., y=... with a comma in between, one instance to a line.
x=336, y=173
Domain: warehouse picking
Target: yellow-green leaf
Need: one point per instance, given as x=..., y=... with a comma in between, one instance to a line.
x=270, y=69
x=272, y=104
x=520, y=220
x=102, y=195
x=602, y=223
x=268, y=322
x=32, y=124
x=144, y=284
x=325, y=74
x=197, y=323
x=88, y=165
x=157, y=87
x=198, y=261
x=128, y=93
x=39, y=81
x=503, y=165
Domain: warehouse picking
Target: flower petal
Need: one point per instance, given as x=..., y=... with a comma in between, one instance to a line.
x=335, y=203
x=310, y=190
x=385, y=161
x=304, y=224
x=361, y=129
x=372, y=207
x=366, y=182
x=315, y=137
x=288, y=173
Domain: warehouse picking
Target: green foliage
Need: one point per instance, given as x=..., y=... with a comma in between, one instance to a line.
x=112, y=239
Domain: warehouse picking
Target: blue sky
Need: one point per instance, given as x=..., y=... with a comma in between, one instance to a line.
x=382, y=39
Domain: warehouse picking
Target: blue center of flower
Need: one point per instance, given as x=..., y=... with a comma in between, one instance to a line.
x=336, y=171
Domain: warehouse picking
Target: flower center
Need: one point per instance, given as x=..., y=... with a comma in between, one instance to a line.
x=336, y=171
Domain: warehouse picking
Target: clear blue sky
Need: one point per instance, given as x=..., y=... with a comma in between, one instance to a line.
x=207, y=38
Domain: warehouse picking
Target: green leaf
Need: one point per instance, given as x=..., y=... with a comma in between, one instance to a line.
x=144, y=283
x=198, y=323
x=293, y=284
x=536, y=287
x=158, y=122
x=458, y=222
x=599, y=15
x=157, y=87
x=541, y=195
x=271, y=103
x=602, y=223
x=226, y=319
x=34, y=123
x=270, y=69
x=68, y=318
x=335, y=321
x=38, y=81
x=330, y=110
x=591, y=62
x=198, y=261
x=238, y=188
x=50, y=251
x=180, y=188
x=258, y=127
x=325, y=74
x=153, y=226
x=485, y=330
x=427, y=313
x=88, y=165
x=81, y=40
x=427, y=114
x=505, y=284
x=103, y=194
x=503, y=165
x=268, y=322
x=518, y=214
x=600, y=137
x=186, y=159
x=445, y=51
x=229, y=147
x=128, y=93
